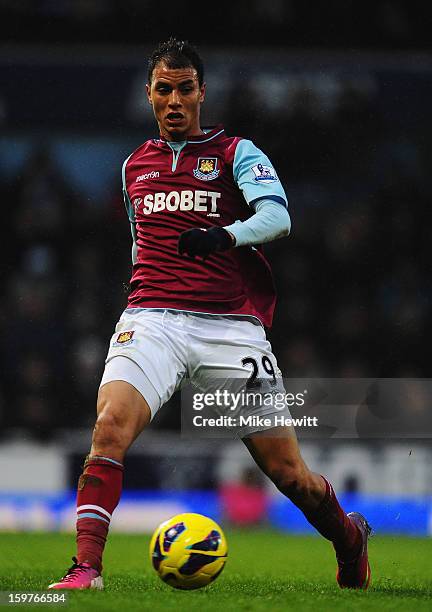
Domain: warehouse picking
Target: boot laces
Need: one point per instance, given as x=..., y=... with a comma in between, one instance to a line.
x=75, y=570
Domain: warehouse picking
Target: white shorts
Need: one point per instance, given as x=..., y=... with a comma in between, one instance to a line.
x=156, y=350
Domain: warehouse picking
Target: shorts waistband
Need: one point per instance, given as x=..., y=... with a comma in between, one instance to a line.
x=203, y=315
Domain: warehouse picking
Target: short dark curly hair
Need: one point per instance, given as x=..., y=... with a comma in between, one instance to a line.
x=176, y=54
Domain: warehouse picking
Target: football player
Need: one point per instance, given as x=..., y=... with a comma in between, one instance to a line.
x=200, y=204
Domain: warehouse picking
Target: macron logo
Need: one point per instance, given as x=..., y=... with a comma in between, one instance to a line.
x=150, y=175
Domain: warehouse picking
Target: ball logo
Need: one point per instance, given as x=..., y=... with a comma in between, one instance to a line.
x=206, y=169
x=172, y=534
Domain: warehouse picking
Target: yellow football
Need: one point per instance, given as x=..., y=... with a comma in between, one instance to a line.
x=188, y=551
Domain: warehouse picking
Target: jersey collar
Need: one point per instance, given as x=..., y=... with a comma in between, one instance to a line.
x=210, y=134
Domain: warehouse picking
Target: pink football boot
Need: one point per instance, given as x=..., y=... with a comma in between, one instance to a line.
x=79, y=576
x=355, y=573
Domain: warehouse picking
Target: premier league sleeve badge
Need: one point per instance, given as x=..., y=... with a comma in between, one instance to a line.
x=264, y=174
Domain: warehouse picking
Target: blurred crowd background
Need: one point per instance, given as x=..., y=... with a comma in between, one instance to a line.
x=341, y=107
x=373, y=24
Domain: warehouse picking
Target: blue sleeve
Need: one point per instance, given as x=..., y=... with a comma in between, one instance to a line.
x=255, y=175
x=270, y=221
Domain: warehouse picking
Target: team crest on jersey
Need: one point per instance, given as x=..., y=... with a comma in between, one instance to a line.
x=264, y=174
x=124, y=338
x=206, y=169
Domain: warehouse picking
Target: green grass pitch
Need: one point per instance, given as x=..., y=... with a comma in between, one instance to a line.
x=266, y=570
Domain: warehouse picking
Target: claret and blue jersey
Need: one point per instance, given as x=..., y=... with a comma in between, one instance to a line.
x=208, y=180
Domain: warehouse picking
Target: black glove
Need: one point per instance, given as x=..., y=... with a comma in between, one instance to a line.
x=202, y=242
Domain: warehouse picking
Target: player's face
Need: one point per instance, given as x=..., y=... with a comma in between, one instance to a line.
x=176, y=97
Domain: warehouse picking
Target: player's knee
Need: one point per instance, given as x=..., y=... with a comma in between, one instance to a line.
x=111, y=427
